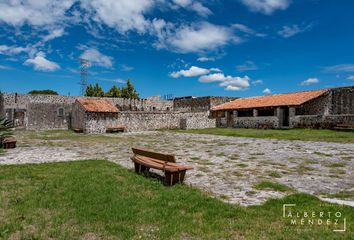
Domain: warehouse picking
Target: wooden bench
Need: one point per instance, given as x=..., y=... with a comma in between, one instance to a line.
x=144, y=160
x=9, y=142
x=115, y=129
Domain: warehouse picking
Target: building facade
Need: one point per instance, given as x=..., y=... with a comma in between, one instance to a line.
x=310, y=109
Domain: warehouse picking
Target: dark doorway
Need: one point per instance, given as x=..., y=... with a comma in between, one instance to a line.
x=19, y=119
x=230, y=119
x=285, y=117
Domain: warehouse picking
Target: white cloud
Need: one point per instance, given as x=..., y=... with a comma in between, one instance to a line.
x=290, y=31
x=34, y=12
x=40, y=63
x=206, y=59
x=195, y=38
x=192, y=6
x=340, y=68
x=266, y=6
x=97, y=58
x=215, y=70
x=126, y=68
x=310, y=81
x=247, y=30
x=54, y=33
x=350, y=77
x=247, y=66
x=12, y=50
x=215, y=77
x=267, y=91
x=2, y=67
x=256, y=82
x=122, y=15
x=191, y=72
x=229, y=83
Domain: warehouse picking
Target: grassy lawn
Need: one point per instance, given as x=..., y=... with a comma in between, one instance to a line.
x=99, y=199
x=323, y=135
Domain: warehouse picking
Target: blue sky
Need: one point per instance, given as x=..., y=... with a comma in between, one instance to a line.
x=180, y=47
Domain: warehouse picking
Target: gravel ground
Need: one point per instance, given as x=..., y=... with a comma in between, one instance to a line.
x=226, y=167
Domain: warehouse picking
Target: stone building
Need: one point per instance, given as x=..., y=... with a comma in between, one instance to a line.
x=323, y=108
x=45, y=112
x=197, y=104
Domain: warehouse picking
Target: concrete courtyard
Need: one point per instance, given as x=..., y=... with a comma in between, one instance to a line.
x=225, y=167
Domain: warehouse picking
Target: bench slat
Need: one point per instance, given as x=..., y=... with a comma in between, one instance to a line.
x=154, y=155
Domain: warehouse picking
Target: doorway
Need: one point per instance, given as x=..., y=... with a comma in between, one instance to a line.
x=285, y=117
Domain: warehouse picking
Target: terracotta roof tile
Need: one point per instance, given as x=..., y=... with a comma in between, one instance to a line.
x=98, y=105
x=276, y=100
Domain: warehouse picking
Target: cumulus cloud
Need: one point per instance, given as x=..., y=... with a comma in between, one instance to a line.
x=267, y=91
x=310, y=81
x=195, y=38
x=40, y=63
x=335, y=68
x=292, y=30
x=36, y=13
x=95, y=57
x=122, y=15
x=266, y=6
x=191, y=72
x=247, y=66
x=229, y=83
x=350, y=77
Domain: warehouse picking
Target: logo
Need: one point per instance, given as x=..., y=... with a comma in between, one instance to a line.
x=335, y=220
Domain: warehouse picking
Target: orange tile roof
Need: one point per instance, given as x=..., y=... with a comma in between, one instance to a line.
x=276, y=100
x=98, y=105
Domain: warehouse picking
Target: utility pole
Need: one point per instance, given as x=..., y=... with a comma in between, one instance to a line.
x=84, y=65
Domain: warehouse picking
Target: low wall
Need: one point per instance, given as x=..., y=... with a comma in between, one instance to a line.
x=318, y=121
x=254, y=122
x=141, y=121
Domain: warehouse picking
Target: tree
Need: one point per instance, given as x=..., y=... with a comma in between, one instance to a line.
x=114, y=92
x=129, y=91
x=98, y=91
x=89, y=92
x=47, y=91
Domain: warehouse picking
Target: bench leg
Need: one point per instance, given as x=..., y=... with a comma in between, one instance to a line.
x=140, y=168
x=174, y=177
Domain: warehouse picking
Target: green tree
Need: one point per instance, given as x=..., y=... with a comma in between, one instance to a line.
x=98, y=91
x=129, y=91
x=47, y=91
x=90, y=92
x=114, y=92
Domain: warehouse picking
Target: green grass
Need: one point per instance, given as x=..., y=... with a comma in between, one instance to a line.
x=290, y=134
x=274, y=174
x=99, y=199
x=264, y=185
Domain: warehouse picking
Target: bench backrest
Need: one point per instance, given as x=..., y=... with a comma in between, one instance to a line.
x=154, y=155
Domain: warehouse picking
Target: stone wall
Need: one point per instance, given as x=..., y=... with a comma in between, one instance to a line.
x=342, y=100
x=318, y=106
x=198, y=104
x=14, y=100
x=255, y=122
x=144, y=121
x=78, y=116
x=319, y=121
x=47, y=116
